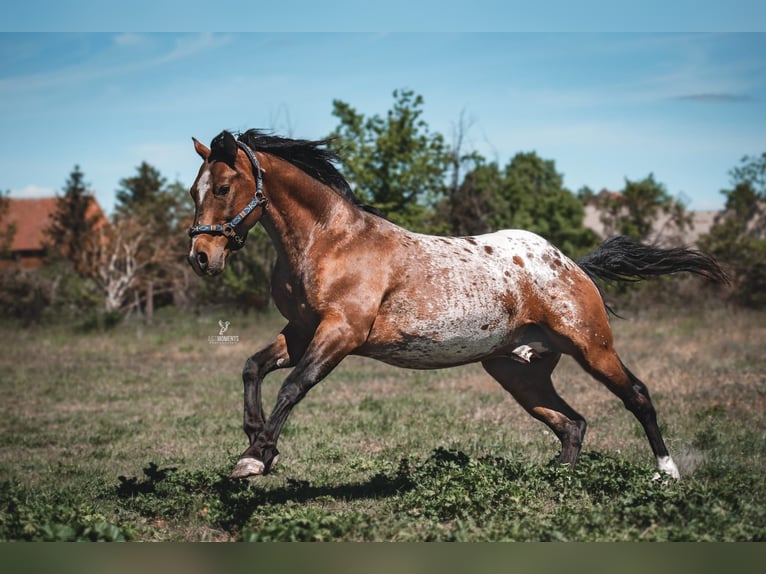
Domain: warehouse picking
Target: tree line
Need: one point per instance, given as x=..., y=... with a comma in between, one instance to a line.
x=136, y=260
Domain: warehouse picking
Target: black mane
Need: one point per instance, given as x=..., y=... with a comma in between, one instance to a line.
x=315, y=158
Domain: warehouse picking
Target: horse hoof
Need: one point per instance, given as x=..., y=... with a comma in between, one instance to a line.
x=274, y=462
x=248, y=467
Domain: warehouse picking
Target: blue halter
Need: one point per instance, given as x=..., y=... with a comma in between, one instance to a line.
x=228, y=229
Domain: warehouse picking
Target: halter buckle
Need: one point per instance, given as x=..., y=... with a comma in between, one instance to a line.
x=228, y=231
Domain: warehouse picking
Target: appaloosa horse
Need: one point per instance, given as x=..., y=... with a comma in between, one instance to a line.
x=350, y=282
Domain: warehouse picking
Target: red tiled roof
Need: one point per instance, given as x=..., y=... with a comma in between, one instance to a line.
x=31, y=218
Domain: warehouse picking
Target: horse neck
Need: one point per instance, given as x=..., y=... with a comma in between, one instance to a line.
x=300, y=209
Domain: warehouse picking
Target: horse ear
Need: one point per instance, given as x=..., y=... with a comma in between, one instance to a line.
x=201, y=149
x=224, y=147
x=229, y=148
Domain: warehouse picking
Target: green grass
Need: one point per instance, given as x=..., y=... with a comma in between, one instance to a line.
x=131, y=434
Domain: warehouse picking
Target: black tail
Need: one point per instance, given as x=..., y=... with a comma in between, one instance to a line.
x=621, y=258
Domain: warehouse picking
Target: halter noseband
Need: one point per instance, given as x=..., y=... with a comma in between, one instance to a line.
x=228, y=229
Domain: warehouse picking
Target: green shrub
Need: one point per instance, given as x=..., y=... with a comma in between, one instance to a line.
x=294, y=523
x=57, y=516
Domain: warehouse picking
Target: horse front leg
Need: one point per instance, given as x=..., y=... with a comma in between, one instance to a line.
x=284, y=352
x=332, y=342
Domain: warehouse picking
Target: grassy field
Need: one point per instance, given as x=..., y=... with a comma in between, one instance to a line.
x=131, y=434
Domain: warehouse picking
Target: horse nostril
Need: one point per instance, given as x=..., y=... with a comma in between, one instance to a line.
x=202, y=259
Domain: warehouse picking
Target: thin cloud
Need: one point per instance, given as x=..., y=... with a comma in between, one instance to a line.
x=187, y=46
x=184, y=46
x=32, y=191
x=714, y=98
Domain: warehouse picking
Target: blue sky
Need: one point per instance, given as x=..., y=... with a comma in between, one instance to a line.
x=604, y=106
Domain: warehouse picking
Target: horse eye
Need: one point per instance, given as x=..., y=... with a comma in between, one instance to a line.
x=223, y=190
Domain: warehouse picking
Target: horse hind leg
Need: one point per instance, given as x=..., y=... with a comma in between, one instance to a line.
x=665, y=462
x=603, y=363
x=531, y=385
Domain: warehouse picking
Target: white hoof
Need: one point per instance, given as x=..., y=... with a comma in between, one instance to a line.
x=667, y=467
x=248, y=467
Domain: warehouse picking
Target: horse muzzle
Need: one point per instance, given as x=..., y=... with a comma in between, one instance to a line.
x=207, y=259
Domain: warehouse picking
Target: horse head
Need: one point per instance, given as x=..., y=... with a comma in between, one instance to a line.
x=228, y=200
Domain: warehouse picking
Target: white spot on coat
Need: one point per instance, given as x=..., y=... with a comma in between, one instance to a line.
x=203, y=186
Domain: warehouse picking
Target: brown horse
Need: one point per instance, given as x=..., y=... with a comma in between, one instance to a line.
x=350, y=282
